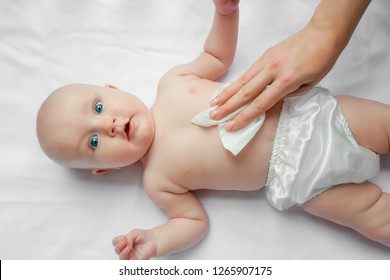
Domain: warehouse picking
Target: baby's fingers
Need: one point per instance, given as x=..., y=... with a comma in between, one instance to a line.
x=125, y=254
x=120, y=243
x=117, y=239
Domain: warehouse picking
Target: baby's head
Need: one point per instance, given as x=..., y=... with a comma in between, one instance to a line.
x=96, y=128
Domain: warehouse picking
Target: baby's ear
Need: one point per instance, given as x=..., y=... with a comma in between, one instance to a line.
x=101, y=171
x=110, y=86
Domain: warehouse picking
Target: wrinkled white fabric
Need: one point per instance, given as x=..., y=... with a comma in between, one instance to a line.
x=234, y=141
x=314, y=150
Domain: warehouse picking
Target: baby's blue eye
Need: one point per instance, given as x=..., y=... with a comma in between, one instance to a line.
x=94, y=142
x=99, y=107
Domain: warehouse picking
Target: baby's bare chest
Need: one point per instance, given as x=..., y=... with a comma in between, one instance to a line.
x=197, y=160
x=193, y=156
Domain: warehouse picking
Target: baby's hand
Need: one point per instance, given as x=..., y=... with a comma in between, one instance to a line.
x=226, y=7
x=136, y=245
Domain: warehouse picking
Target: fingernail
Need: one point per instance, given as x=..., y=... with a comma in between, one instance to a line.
x=229, y=125
x=215, y=101
x=214, y=113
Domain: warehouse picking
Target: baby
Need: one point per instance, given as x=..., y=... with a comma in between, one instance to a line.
x=300, y=150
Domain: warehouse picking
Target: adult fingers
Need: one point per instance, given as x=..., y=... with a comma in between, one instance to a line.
x=232, y=89
x=227, y=93
x=268, y=98
x=245, y=95
x=259, y=105
x=302, y=89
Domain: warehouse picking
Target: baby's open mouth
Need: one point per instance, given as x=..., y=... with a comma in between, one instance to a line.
x=127, y=130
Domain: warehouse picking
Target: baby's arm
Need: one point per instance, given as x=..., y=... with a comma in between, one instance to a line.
x=187, y=224
x=219, y=47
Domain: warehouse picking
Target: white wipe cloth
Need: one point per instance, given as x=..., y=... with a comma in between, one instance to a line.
x=234, y=141
x=314, y=150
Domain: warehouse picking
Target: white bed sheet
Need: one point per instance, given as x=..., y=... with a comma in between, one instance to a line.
x=51, y=212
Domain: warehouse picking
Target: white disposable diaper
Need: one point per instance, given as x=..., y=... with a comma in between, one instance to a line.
x=314, y=150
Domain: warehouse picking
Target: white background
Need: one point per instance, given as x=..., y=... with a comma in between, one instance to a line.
x=50, y=212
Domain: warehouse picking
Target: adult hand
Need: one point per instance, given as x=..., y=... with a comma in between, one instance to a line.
x=293, y=66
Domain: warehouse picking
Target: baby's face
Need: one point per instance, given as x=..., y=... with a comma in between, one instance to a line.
x=92, y=127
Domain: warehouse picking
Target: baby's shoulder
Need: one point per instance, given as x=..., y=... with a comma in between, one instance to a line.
x=156, y=181
x=172, y=83
x=161, y=190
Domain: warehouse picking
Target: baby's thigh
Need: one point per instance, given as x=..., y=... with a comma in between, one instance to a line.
x=362, y=207
x=345, y=204
x=369, y=122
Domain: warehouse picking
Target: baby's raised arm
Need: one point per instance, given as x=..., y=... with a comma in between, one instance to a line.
x=187, y=224
x=219, y=47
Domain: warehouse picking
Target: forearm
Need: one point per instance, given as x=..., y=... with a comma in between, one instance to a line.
x=340, y=17
x=221, y=41
x=178, y=234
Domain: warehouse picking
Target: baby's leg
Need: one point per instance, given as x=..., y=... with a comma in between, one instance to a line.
x=362, y=207
x=369, y=122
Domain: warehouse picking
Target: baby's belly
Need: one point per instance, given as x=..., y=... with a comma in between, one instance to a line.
x=198, y=160
x=213, y=167
x=220, y=171
x=242, y=179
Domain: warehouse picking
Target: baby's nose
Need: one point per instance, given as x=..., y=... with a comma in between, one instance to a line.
x=111, y=126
